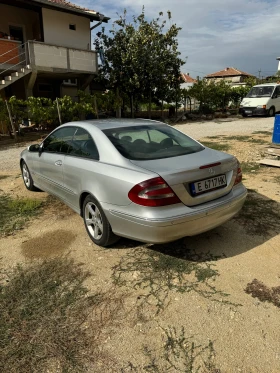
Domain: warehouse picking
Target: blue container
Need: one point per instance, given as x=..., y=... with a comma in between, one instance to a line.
x=276, y=130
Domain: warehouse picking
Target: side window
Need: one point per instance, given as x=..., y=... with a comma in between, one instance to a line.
x=60, y=140
x=277, y=91
x=83, y=145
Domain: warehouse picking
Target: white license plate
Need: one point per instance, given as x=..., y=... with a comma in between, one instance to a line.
x=207, y=185
x=248, y=112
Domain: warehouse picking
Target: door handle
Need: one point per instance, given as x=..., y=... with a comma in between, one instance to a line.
x=58, y=163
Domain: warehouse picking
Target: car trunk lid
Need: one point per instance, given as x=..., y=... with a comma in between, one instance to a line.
x=189, y=175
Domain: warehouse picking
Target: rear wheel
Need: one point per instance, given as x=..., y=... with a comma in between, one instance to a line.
x=96, y=223
x=271, y=112
x=27, y=178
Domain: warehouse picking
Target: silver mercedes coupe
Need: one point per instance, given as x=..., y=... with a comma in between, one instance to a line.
x=140, y=179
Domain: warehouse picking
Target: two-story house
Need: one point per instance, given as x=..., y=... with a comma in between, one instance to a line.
x=235, y=77
x=45, y=47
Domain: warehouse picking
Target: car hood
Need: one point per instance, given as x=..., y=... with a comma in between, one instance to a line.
x=254, y=101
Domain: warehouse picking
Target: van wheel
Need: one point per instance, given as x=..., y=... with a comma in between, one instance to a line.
x=271, y=112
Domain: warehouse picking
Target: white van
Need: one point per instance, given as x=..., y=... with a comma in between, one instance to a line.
x=263, y=99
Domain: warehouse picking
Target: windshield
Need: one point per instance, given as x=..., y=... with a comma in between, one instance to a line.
x=265, y=91
x=148, y=142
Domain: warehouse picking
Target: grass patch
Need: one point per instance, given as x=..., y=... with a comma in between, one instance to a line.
x=238, y=138
x=265, y=133
x=49, y=322
x=216, y=146
x=15, y=213
x=258, y=141
x=215, y=137
x=248, y=167
x=246, y=139
x=265, y=294
x=180, y=353
x=259, y=215
x=157, y=273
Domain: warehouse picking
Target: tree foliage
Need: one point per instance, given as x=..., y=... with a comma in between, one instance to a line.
x=141, y=59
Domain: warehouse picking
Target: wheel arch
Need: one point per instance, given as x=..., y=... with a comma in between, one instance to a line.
x=83, y=196
x=21, y=162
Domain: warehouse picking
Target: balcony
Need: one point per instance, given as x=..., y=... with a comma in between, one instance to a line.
x=49, y=58
x=52, y=58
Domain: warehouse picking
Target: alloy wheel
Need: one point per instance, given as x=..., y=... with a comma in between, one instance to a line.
x=93, y=220
x=26, y=176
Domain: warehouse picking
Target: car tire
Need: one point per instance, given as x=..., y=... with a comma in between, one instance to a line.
x=96, y=223
x=27, y=178
x=244, y=115
x=271, y=112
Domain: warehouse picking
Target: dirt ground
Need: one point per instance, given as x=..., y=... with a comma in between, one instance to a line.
x=187, y=293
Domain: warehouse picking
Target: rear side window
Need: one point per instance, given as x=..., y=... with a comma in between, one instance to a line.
x=82, y=145
x=59, y=141
x=150, y=142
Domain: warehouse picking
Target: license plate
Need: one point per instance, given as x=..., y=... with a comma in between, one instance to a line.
x=207, y=185
x=248, y=112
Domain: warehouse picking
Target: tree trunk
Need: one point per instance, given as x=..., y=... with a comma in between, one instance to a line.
x=150, y=105
x=95, y=106
x=11, y=121
x=131, y=106
x=118, y=109
x=190, y=103
x=162, y=109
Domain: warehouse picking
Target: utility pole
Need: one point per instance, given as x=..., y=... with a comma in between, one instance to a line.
x=260, y=70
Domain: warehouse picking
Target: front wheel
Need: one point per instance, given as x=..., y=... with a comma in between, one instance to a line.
x=27, y=178
x=96, y=223
x=271, y=112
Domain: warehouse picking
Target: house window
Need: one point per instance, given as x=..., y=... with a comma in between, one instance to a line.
x=72, y=82
x=72, y=27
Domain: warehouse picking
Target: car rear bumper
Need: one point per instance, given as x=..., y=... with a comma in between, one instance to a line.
x=175, y=227
x=252, y=111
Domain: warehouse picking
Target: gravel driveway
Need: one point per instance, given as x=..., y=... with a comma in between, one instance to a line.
x=10, y=156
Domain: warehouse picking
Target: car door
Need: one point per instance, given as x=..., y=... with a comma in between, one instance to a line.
x=79, y=164
x=51, y=161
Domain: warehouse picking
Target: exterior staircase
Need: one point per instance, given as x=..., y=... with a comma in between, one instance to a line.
x=13, y=77
x=8, y=75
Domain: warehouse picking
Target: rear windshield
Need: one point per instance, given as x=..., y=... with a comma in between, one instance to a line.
x=148, y=142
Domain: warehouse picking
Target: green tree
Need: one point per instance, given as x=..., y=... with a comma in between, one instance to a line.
x=141, y=59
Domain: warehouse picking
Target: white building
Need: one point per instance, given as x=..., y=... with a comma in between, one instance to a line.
x=45, y=48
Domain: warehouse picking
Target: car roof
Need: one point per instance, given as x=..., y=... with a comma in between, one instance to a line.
x=104, y=124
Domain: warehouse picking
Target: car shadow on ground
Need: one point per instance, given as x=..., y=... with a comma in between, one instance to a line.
x=256, y=223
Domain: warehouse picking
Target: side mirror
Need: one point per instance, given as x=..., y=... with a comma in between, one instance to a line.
x=34, y=148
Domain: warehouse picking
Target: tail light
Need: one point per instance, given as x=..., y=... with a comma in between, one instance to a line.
x=238, y=178
x=154, y=192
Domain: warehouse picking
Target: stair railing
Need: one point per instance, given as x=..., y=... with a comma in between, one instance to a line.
x=25, y=45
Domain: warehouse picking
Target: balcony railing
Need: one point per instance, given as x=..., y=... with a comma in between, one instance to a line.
x=54, y=58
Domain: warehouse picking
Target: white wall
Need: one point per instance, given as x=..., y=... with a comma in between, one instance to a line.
x=56, y=29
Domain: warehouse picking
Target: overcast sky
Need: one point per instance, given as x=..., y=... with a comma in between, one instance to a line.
x=215, y=34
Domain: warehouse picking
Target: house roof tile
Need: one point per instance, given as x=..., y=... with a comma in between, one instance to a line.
x=187, y=78
x=67, y=5
x=228, y=71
